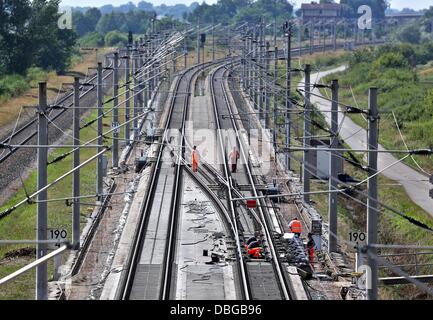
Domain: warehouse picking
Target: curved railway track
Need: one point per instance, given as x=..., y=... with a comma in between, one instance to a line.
x=222, y=104
x=154, y=245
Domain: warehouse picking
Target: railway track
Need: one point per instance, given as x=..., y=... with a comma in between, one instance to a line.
x=15, y=136
x=149, y=274
x=265, y=278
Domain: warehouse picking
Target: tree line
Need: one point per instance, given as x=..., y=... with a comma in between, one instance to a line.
x=29, y=35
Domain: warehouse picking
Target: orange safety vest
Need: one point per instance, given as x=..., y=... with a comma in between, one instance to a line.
x=296, y=226
x=194, y=157
x=255, y=252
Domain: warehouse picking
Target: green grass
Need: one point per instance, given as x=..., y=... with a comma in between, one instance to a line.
x=15, y=85
x=21, y=223
x=403, y=89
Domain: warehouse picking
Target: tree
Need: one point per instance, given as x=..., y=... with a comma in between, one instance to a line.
x=85, y=22
x=378, y=7
x=410, y=34
x=52, y=47
x=427, y=20
x=14, y=36
x=116, y=39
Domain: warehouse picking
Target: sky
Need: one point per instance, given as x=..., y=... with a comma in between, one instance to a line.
x=396, y=4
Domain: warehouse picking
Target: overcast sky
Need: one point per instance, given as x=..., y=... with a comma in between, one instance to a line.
x=397, y=4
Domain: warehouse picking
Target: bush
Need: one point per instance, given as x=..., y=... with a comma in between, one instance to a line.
x=93, y=40
x=410, y=34
x=116, y=39
x=13, y=85
x=36, y=75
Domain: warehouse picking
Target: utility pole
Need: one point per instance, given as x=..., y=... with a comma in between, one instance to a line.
x=128, y=94
x=261, y=73
x=185, y=51
x=204, y=48
x=244, y=62
x=213, y=40
x=311, y=34
x=334, y=35
x=100, y=163
x=324, y=35
x=300, y=25
x=307, y=135
x=146, y=92
x=141, y=94
x=198, y=41
x=275, y=100
x=76, y=163
x=42, y=216
x=115, y=125
x=333, y=174
x=229, y=41
x=250, y=65
x=148, y=73
x=136, y=99
x=288, y=30
x=254, y=88
x=372, y=212
x=267, y=93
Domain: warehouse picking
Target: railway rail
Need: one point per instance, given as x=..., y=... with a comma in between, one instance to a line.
x=149, y=274
x=272, y=270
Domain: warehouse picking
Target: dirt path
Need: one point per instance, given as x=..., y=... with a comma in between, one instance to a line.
x=415, y=183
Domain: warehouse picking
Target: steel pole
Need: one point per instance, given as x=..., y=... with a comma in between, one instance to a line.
x=128, y=95
x=372, y=212
x=146, y=92
x=115, y=124
x=185, y=62
x=311, y=32
x=198, y=41
x=266, y=90
x=261, y=73
x=76, y=163
x=42, y=207
x=275, y=106
x=307, y=136
x=333, y=172
x=213, y=40
x=136, y=99
x=99, y=165
x=288, y=86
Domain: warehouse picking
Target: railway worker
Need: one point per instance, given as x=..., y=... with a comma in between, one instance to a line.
x=251, y=240
x=234, y=158
x=310, y=247
x=255, y=253
x=195, y=159
x=295, y=227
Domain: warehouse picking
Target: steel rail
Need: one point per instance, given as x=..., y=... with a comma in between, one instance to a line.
x=243, y=273
x=265, y=222
x=31, y=122
x=128, y=280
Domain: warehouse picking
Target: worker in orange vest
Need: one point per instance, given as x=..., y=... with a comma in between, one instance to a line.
x=255, y=253
x=234, y=158
x=295, y=227
x=195, y=159
x=310, y=248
